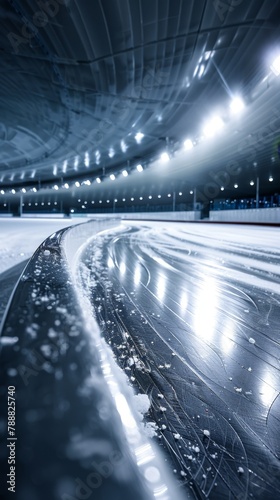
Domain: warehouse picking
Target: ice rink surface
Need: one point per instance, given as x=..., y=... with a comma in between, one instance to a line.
x=19, y=238
x=192, y=314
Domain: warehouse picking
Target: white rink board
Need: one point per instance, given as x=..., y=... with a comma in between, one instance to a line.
x=250, y=215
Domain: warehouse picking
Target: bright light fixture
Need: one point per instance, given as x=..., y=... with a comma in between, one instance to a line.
x=139, y=168
x=35, y=190
x=123, y=146
x=201, y=71
x=77, y=184
x=252, y=183
x=87, y=182
x=138, y=137
x=112, y=177
x=66, y=185
x=98, y=180
x=13, y=191
x=188, y=144
x=270, y=178
x=86, y=160
x=235, y=186
x=64, y=166
x=237, y=105
x=217, y=123
x=196, y=70
x=111, y=153
x=214, y=126
x=125, y=173
x=275, y=67
x=150, y=197
x=23, y=190
x=191, y=192
x=55, y=187
x=165, y=156
x=222, y=188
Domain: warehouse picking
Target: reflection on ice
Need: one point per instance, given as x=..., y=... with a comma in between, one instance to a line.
x=137, y=275
x=144, y=454
x=227, y=337
x=159, y=492
x=122, y=268
x=160, y=287
x=183, y=301
x=267, y=391
x=160, y=261
x=106, y=369
x=205, y=313
x=226, y=344
x=152, y=474
x=124, y=411
x=110, y=263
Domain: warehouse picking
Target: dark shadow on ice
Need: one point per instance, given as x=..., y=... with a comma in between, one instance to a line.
x=8, y=280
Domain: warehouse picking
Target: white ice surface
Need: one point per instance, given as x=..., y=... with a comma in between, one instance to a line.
x=19, y=238
x=255, y=237
x=237, y=252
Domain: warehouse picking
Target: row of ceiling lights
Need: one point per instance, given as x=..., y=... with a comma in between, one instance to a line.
x=76, y=184
x=141, y=198
x=252, y=183
x=83, y=206
x=36, y=204
x=111, y=153
x=88, y=183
